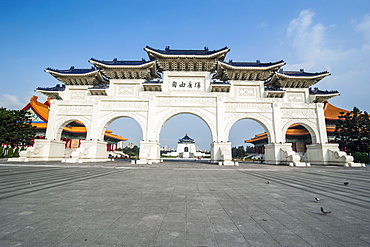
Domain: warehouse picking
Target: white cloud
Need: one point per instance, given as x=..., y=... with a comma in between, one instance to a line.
x=10, y=102
x=308, y=44
x=364, y=28
x=306, y=38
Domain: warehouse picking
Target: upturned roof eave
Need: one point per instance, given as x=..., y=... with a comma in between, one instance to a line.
x=94, y=73
x=220, y=53
x=310, y=77
x=268, y=67
x=109, y=66
x=50, y=71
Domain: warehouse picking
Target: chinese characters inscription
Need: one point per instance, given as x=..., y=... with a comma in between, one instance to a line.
x=187, y=84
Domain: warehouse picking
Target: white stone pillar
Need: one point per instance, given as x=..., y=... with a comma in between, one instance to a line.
x=149, y=152
x=52, y=129
x=276, y=124
x=221, y=147
x=220, y=128
x=272, y=149
x=321, y=125
x=221, y=152
x=151, y=121
x=94, y=133
x=150, y=147
x=89, y=151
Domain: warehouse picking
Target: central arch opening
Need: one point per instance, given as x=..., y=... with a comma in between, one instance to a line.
x=185, y=136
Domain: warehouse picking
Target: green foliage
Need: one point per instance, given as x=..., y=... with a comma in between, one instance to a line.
x=1, y=152
x=134, y=151
x=16, y=152
x=352, y=131
x=16, y=127
x=365, y=158
x=249, y=149
x=357, y=157
x=10, y=153
x=238, y=152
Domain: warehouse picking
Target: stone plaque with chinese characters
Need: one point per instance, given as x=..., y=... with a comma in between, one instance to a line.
x=186, y=83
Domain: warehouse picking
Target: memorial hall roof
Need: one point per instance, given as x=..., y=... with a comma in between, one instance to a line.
x=187, y=139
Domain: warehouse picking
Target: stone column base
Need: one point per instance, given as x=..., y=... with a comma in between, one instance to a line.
x=42, y=150
x=282, y=154
x=221, y=152
x=89, y=151
x=149, y=152
x=328, y=154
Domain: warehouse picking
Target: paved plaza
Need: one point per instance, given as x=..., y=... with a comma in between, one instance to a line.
x=182, y=204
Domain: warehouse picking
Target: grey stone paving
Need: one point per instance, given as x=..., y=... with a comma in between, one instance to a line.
x=182, y=204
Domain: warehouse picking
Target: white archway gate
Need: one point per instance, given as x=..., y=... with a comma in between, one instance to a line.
x=199, y=82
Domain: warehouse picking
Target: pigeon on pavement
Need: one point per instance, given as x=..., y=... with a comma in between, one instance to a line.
x=324, y=212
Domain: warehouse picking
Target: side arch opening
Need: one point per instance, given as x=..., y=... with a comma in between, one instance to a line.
x=71, y=132
x=300, y=137
x=248, y=138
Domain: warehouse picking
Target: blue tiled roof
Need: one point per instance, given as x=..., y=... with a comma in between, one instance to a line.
x=252, y=64
x=153, y=81
x=318, y=91
x=186, y=138
x=99, y=87
x=117, y=62
x=169, y=51
x=273, y=89
x=301, y=73
x=72, y=70
x=51, y=89
x=220, y=82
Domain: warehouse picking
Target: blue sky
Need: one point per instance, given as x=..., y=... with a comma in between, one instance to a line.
x=332, y=35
